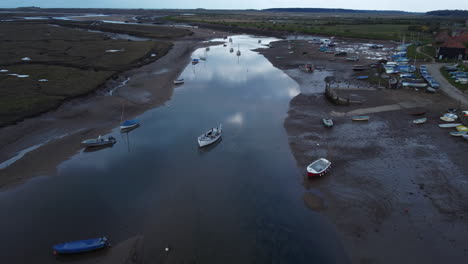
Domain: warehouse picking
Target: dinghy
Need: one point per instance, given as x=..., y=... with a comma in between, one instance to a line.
x=80, y=246
x=420, y=120
x=99, y=142
x=446, y=119
x=327, y=122
x=129, y=124
x=210, y=136
x=318, y=167
x=360, y=118
x=458, y=133
x=179, y=81
x=461, y=128
x=449, y=125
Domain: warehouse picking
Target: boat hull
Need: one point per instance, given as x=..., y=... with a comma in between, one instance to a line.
x=80, y=246
x=360, y=118
x=203, y=143
x=318, y=168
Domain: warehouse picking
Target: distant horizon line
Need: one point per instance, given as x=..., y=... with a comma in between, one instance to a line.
x=237, y=9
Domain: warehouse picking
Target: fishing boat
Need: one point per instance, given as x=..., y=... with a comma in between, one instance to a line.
x=450, y=125
x=360, y=118
x=99, y=141
x=458, y=133
x=461, y=128
x=420, y=120
x=450, y=115
x=179, y=81
x=210, y=136
x=81, y=246
x=129, y=124
x=327, y=122
x=318, y=167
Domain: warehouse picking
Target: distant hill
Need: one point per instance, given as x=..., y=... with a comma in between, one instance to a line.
x=452, y=13
x=333, y=10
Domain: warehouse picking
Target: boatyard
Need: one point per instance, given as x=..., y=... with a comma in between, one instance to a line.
x=207, y=146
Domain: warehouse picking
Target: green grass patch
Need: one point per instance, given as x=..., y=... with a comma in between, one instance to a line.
x=462, y=87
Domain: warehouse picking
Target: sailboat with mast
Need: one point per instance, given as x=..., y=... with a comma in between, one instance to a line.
x=238, y=53
x=128, y=125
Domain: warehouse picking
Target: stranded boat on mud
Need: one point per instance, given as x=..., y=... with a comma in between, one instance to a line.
x=318, y=167
x=420, y=120
x=81, y=246
x=327, y=122
x=99, y=142
x=210, y=136
x=449, y=125
x=360, y=118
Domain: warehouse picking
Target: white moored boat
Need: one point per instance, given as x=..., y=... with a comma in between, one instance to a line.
x=319, y=167
x=98, y=142
x=210, y=136
x=449, y=125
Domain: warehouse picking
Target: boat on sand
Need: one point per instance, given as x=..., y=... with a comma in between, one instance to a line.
x=179, y=81
x=327, y=122
x=81, y=246
x=99, y=141
x=420, y=120
x=449, y=125
x=360, y=118
x=318, y=167
x=210, y=136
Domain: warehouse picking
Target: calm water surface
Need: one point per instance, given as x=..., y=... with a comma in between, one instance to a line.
x=238, y=201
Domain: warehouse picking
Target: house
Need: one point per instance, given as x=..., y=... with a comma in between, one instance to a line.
x=453, y=47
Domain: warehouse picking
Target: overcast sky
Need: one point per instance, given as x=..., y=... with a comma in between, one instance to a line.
x=404, y=5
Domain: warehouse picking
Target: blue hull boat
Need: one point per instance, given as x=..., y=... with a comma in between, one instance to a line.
x=129, y=124
x=80, y=246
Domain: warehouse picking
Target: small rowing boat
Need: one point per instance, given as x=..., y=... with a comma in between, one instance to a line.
x=360, y=118
x=327, y=122
x=81, y=246
x=420, y=120
x=318, y=167
x=446, y=119
x=461, y=128
x=449, y=125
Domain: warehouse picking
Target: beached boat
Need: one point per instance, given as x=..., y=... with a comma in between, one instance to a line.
x=99, y=142
x=179, y=81
x=451, y=115
x=129, y=124
x=465, y=137
x=414, y=84
x=81, y=246
x=362, y=77
x=449, y=125
x=230, y=39
x=318, y=167
x=461, y=128
x=420, y=120
x=458, y=133
x=327, y=122
x=360, y=118
x=446, y=119
x=430, y=90
x=259, y=41
x=210, y=136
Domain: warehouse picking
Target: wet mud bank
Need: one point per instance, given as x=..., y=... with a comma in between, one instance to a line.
x=59, y=132
x=397, y=191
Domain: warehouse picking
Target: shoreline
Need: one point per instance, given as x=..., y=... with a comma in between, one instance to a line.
x=93, y=114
